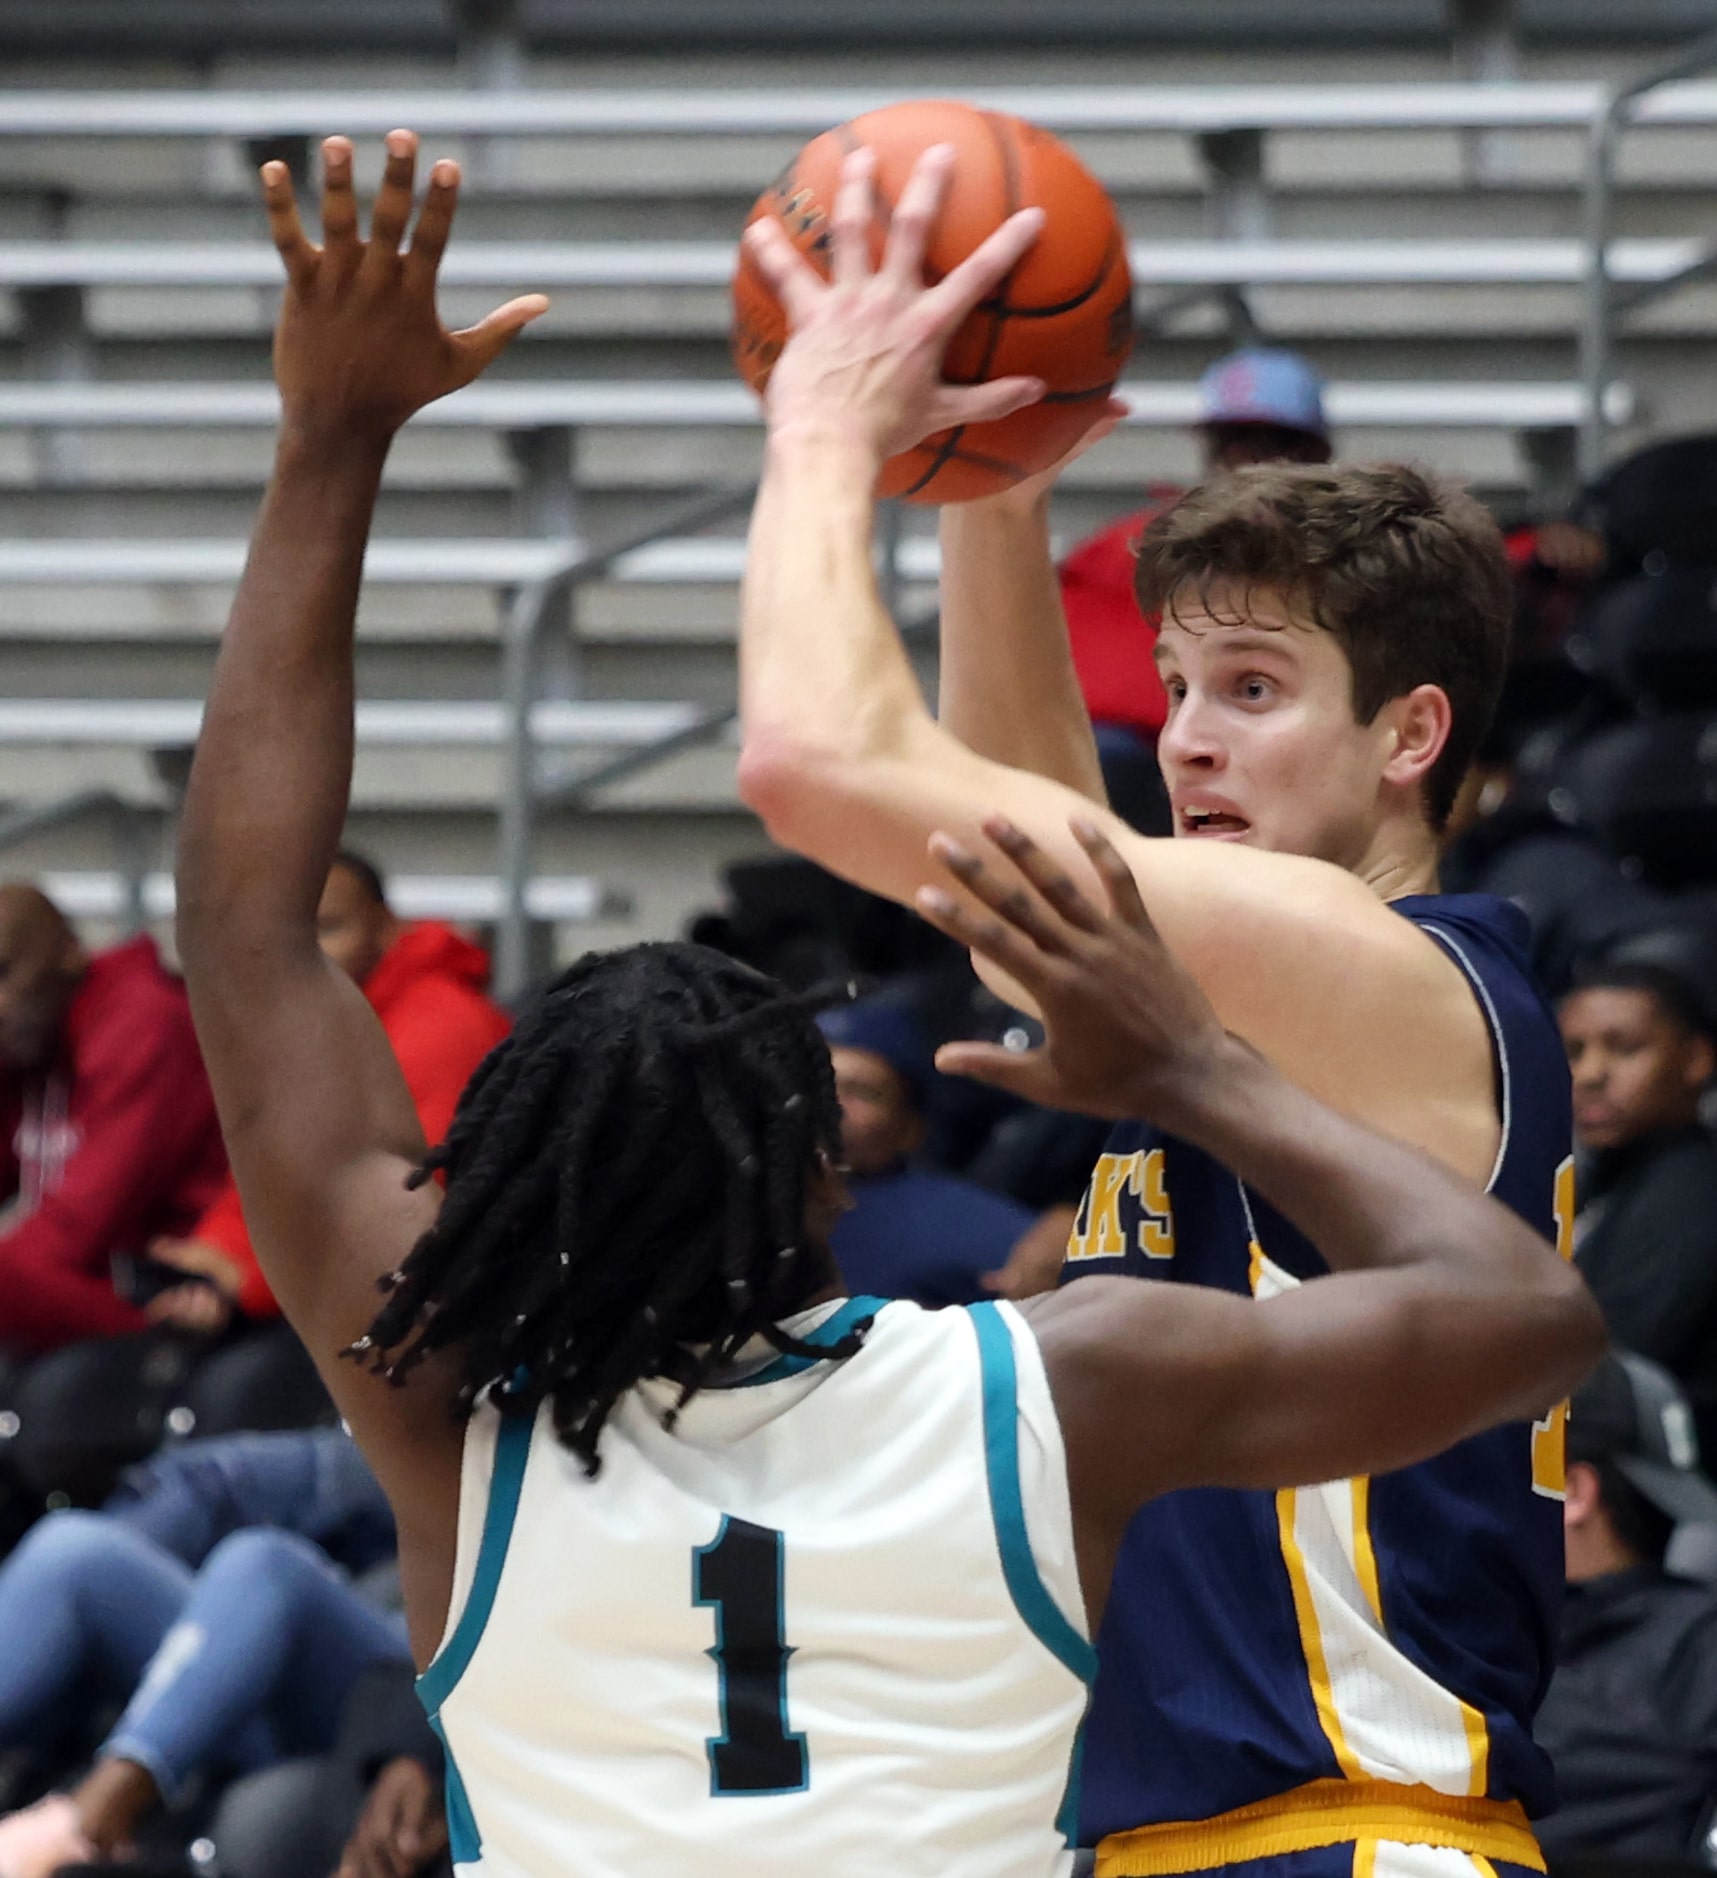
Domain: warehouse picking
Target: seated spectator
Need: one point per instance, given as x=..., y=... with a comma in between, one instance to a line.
x=427, y=984
x=911, y=1232
x=85, y=1411
x=202, y=1600
x=108, y=1137
x=1630, y=1719
x=1642, y=1055
x=372, y=1807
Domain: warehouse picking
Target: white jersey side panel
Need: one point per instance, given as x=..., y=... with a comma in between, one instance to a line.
x=830, y=1623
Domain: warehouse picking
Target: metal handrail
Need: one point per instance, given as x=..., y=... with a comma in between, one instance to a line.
x=1597, y=329
x=126, y=822
x=527, y=621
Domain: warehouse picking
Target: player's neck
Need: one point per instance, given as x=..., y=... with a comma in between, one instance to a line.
x=1401, y=859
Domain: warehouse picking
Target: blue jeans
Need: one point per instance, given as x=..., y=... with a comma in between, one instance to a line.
x=241, y=1663
x=314, y=1481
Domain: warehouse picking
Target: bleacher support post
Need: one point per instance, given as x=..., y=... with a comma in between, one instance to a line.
x=57, y=348
x=1487, y=50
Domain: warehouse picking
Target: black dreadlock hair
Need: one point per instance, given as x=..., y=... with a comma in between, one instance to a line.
x=626, y=1179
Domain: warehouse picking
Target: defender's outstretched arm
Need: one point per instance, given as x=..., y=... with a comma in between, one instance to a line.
x=1446, y=1313
x=318, y=1122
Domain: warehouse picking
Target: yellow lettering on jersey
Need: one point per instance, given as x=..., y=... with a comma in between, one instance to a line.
x=1549, y=1434
x=1156, y=1229
x=1097, y=1228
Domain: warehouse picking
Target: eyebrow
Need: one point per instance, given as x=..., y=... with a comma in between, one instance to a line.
x=1239, y=640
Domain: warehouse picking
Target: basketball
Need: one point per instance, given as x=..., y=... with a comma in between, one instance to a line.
x=1064, y=314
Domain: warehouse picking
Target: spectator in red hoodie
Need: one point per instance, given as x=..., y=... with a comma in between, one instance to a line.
x=108, y=1136
x=426, y=983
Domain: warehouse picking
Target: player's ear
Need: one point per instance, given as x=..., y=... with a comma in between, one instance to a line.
x=1418, y=723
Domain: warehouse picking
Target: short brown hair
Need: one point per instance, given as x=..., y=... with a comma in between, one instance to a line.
x=1408, y=573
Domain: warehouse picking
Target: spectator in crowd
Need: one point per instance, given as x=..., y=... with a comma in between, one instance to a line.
x=427, y=984
x=108, y=1137
x=1642, y=1054
x=911, y=1232
x=205, y=1598
x=372, y=1807
x=1630, y=1719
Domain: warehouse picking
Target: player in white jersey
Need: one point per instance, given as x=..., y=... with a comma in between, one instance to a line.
x=711, y=1569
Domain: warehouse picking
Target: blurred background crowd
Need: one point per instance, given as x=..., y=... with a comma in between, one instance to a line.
x=1340, y=253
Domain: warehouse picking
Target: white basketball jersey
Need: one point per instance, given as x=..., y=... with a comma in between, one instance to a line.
x=830, y=1624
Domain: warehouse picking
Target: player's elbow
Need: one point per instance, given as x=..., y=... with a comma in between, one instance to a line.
x=788, y=782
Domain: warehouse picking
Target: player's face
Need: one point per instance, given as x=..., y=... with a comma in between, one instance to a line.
x=1260, y=744
x=39, y=969
x=352, y=927
x=1636, y=1071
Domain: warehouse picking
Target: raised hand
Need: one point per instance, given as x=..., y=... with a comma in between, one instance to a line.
x=866, y=346
x=360, y=346
x=1128, y=1032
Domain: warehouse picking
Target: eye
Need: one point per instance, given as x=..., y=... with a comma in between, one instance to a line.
x=1254, y=688
x=1176, y=689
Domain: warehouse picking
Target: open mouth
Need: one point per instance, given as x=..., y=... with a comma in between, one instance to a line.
x=1213, y=822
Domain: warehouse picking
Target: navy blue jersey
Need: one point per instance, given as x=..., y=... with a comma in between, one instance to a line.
x=1400, y=1628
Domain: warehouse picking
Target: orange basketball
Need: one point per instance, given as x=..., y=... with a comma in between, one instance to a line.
x=1064, y=314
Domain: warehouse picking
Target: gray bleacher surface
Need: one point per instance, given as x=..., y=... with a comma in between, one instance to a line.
x=1426, y=255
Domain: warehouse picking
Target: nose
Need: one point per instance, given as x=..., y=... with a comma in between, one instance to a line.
x=1588, y=1070
x=1189, y=740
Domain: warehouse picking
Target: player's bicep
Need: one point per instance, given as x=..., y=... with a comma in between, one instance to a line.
x=322, y=1134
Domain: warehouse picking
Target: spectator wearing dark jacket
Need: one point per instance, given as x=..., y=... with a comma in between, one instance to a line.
x=108, y=1137
x=1630, y=1719
x=911, y=1232
x=1641, y=1056
x=427, y=984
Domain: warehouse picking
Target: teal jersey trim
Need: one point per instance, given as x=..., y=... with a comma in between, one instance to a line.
x=830, y=1331
x=464, y=1841
x=512, y=1451
x=1043, y=1616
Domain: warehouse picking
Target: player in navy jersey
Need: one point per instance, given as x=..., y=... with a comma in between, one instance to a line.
x=1338, y=1679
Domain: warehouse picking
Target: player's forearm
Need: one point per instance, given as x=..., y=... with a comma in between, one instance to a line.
x=1009, y=690
x=1366, y=1202
x=835, y=727
x=268, y=789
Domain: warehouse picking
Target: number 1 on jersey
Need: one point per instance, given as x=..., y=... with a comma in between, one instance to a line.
x=740, y=1574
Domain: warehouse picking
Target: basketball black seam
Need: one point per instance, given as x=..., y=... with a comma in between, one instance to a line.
x=1078, y=300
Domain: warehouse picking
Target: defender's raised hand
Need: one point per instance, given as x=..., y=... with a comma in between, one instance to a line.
x=360, y=346
x=866, y=350
x=1128, y=1032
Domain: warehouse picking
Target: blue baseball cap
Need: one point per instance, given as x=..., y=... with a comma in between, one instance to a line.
x=1261, y=386
x=886, y=1029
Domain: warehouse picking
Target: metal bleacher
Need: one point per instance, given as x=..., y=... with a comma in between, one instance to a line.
x=563, y=535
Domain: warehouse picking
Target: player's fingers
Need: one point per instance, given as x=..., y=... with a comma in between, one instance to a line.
x=1024, y=1073
x=915, y=216
x=480, y=345
x=855, y=211
x=1125, y=900
x=985, y=404
x=982, y=932
x=795, y=282
x=434, y=224
x=1012, y=899
x=393, y=202
x=962, y=287
x=339, y=200
x=1045, y=873
x=286, y=230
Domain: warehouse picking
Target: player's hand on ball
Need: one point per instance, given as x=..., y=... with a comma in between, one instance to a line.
x=1128, y=1032
x=864, y=359
x=360, y=346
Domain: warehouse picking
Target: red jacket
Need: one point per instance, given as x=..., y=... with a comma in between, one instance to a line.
x=428, y=992
x=111, y=1145
x=1112, y=643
